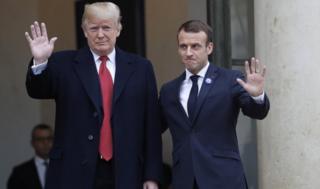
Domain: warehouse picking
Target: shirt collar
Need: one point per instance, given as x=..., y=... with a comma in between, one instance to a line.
x=201, y=73
x=39, y=161
x=111, y=56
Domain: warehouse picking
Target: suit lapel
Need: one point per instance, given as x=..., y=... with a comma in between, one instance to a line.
x=34, y=174
x=124, y=69
x=176, y=88
x=87, y=72
x=207, y=84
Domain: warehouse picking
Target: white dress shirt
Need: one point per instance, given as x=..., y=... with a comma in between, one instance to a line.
x=186, y=86
x=41, y=169
x=111, y=63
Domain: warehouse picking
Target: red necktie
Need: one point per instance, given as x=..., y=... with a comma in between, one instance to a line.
x=106, y=85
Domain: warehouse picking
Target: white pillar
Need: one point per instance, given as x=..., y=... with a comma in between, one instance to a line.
x=287, y=40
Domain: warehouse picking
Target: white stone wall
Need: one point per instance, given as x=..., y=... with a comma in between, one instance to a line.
x=18, y=112
x=288, y=42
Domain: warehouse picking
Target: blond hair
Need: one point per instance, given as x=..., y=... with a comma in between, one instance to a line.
x=103, y=10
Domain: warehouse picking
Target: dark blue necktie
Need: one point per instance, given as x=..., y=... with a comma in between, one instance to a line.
x=46, y=165
x=192, y=101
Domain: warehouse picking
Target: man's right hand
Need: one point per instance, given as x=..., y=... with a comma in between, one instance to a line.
x=41, y=48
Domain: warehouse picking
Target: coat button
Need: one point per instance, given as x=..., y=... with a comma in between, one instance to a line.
x=90, y=137
x=95, y=114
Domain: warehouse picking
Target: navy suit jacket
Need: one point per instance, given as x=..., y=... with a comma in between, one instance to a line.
x=24, y=176
x=206, y=148
x=72, y=80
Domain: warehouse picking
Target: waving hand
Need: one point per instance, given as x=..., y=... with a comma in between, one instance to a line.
x=255, y=73
x=41, y=47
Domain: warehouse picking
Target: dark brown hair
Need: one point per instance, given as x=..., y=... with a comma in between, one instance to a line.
x=195, y=26
x=40, y=126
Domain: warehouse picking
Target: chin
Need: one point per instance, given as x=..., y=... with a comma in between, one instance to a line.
x=193, y=69
x=191, y=66
x=103, y=50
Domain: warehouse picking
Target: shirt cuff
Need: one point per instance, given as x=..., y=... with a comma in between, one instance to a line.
x=259, y=99
x=37, y=69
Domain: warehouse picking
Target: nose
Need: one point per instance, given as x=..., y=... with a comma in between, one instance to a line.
x=47, y=142
x=100, y=32
x=188, y=51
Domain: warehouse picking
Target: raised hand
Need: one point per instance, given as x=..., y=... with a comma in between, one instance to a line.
x=41, y=48
x=255, y=73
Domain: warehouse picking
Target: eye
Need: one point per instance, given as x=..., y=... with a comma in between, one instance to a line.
x=183, y=47
x=196, y=46
x=106, y=28
x=93, y=29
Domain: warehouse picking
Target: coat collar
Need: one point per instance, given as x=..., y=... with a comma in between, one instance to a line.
x=87, y=72
x=207, y=84
x=124, y=69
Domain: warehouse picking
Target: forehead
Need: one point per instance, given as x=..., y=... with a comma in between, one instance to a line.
x=192, y=37
x=100, y=21
x=42, y=132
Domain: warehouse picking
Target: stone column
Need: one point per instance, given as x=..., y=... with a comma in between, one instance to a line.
x=287, y=40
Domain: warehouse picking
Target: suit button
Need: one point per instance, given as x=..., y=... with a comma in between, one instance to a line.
x=95, y=114
x=90, y=137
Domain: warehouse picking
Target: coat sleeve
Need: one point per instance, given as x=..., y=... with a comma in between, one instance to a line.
x=41, y=86
x=163, y=121
x=153, y=145
x=14, y=181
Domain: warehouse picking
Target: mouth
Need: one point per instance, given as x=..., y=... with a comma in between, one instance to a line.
x=189, y=60
x=101, y=43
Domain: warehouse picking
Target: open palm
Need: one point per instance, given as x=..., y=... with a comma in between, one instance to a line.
x=40, y=46
x=255, y=73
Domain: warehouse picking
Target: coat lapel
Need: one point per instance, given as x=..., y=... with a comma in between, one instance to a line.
x=124, y=69
x=87, y=72
x=176, y=88
x=34, y=174
x=207, y=84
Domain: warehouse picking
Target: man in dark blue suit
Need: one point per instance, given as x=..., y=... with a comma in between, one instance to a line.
x=201, y=109
x=107, y=131
x=31, y=174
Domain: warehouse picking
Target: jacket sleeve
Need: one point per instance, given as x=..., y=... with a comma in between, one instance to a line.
x=14, y=181
x=41, y=86
x=153, y=144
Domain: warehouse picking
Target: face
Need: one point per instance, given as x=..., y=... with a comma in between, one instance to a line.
x=194, y=50
x=42, y=142
x=101, y=34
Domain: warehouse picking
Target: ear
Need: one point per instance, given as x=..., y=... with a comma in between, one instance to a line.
x=118, y=33
x=210, y=48
x=32, y=143
x=84, y=31
x=119, y=28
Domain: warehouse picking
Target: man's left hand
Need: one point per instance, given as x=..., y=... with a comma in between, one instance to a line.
x=255, y=73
